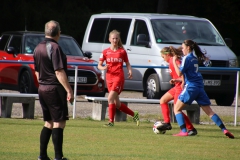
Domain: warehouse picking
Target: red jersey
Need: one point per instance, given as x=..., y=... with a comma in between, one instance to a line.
x=115, y=60
x=173, y=72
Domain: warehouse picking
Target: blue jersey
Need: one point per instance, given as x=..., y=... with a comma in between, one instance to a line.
x=189, y=68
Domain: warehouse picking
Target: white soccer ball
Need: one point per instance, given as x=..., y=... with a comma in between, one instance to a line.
x=155, y=130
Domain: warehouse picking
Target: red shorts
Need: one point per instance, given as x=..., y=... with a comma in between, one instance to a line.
x=175, y=92
x=115, y=84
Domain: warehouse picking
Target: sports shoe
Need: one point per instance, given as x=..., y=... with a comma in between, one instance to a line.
x=228, y=134
x=165, y=126
x=136, y=117
x=181, y=134
x=110, y=124
x=192, y=132
x=43, y=158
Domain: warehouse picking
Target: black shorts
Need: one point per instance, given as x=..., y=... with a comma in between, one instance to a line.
x=53, y=100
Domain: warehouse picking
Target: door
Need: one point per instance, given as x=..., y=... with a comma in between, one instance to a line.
x=9, y=71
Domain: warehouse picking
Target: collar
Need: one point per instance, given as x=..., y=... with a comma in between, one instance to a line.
x=50, y=39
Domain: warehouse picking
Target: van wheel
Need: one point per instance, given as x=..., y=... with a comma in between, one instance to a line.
x=153, y=87
x=25, y=83
x=225, y=100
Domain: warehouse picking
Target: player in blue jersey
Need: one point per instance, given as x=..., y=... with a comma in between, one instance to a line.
x=194, y=87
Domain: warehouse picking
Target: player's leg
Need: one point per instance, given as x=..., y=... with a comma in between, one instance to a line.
x=118, y=87
x=112, y=102
x=187, y=96
x=215, y=118
x=168, y=96
x=189, y=125
x=204, y=101
x=180, y=118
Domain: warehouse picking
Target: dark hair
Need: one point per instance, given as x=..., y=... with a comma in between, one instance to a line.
x=172, y=51
x=194, y=46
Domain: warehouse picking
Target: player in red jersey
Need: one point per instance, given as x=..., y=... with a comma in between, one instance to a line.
x=114, y=56
x=167, y=54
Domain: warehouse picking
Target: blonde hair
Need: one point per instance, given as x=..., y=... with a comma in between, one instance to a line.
x=172, y=51
x=117, y=33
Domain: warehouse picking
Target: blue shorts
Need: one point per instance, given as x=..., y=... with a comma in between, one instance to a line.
x=191, y=93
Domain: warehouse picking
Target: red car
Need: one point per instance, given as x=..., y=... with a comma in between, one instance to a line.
x=19, y=46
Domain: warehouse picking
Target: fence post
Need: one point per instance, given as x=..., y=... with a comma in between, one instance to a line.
x=75, y=92
x=236, y=100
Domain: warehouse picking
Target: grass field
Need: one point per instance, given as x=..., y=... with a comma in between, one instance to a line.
x=87, y=139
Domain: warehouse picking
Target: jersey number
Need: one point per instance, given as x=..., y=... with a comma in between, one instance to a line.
x=196, y=66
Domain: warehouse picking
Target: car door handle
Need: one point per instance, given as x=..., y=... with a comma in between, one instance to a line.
x=128, y=49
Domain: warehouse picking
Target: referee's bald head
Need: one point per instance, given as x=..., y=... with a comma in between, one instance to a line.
x=52, y=28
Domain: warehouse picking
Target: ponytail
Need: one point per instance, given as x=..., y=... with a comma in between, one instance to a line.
x=199, y=53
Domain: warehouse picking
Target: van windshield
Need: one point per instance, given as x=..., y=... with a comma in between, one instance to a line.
x=175, y=31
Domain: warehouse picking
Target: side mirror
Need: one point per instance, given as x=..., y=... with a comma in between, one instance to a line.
x=88, y=54
x=142, y=40
x=228, y=41
x=11, y=50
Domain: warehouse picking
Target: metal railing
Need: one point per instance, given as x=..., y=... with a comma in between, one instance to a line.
x=76, y=64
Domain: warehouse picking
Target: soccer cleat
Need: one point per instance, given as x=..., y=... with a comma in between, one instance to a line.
x=136, y=117
x=228, y=134
x=110, y=124
x=192, y=132
x=165, y=126
x=43, y=158
x=181, y=134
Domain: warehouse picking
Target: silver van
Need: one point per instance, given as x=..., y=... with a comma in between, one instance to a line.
x=144, y=35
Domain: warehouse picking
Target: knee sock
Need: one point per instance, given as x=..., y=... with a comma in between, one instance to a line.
x=126, y=110
x=57, y=138
x=44, y=139
x=111, y=112
x=180, y=121
x=188, y=123
x=165, y=112
x=218, y=122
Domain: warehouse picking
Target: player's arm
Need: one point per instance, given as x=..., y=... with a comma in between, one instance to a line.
x=101, y=67
x=183, y=82
x=179, y=73
x=129, y=68
x=62, y=78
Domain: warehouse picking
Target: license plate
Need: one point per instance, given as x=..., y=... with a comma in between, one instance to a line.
x=212, y=82
x=79, y=79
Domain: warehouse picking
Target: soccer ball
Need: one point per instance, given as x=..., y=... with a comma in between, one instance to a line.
x=155, y=130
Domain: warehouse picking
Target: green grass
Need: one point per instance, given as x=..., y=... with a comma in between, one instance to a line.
x=87, y=139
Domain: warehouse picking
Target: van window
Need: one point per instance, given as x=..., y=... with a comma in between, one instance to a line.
x=3, y=41
x=140, y=27
x=176, y=31
x=122, y=25
x=98, y=30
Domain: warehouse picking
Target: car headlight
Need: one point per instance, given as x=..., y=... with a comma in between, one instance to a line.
x=233, y=63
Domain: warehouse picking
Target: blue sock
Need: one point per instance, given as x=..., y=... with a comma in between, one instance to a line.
x=181, y=122
x=218, y=122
